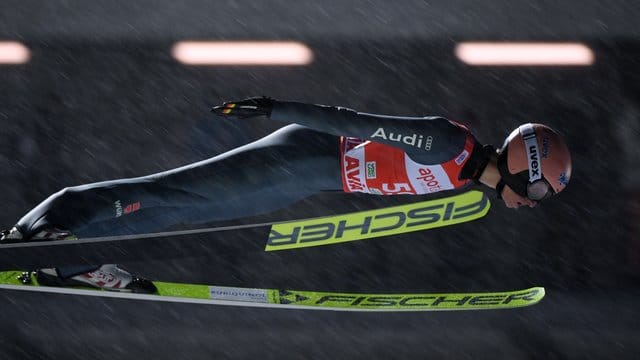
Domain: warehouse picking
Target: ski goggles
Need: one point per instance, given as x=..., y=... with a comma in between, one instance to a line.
x=528, y=183
x=536, y=191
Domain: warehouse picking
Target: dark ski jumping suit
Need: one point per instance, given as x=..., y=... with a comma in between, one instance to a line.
x=325, y=148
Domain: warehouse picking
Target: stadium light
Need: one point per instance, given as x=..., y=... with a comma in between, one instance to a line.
x=13, y=52
x=525, y=54
x=242, y=53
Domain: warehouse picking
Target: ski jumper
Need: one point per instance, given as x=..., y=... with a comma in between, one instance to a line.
x=326, y=149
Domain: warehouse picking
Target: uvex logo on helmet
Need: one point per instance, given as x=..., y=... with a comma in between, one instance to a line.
x=533, y=157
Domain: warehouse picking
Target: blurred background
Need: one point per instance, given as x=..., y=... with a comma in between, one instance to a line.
x=92, y=91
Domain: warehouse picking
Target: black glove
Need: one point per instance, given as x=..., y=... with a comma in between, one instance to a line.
x=257, y=106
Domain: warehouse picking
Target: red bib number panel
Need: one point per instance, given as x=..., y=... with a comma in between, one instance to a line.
x=375, y=168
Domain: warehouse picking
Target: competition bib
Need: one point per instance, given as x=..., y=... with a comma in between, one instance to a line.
x=380, y=169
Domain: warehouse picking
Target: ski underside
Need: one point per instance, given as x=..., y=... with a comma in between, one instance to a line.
x=293, y=299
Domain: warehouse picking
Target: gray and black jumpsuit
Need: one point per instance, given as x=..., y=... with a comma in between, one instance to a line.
x=324, y=148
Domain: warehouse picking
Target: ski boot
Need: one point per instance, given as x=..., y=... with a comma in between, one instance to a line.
x=106, y=277
x=15, y=235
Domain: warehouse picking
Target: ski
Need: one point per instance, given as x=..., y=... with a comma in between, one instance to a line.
x=333, y=229
x=294, y=299
x=388, y=221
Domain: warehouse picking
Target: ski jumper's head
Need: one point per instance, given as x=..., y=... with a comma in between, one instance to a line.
x=534, y=163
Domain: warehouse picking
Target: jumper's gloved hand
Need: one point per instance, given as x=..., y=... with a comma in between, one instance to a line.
x=242, y=109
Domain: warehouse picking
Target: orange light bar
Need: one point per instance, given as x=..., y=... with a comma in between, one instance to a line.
x=13, y=52
x=242, y=53
x=525, y=54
